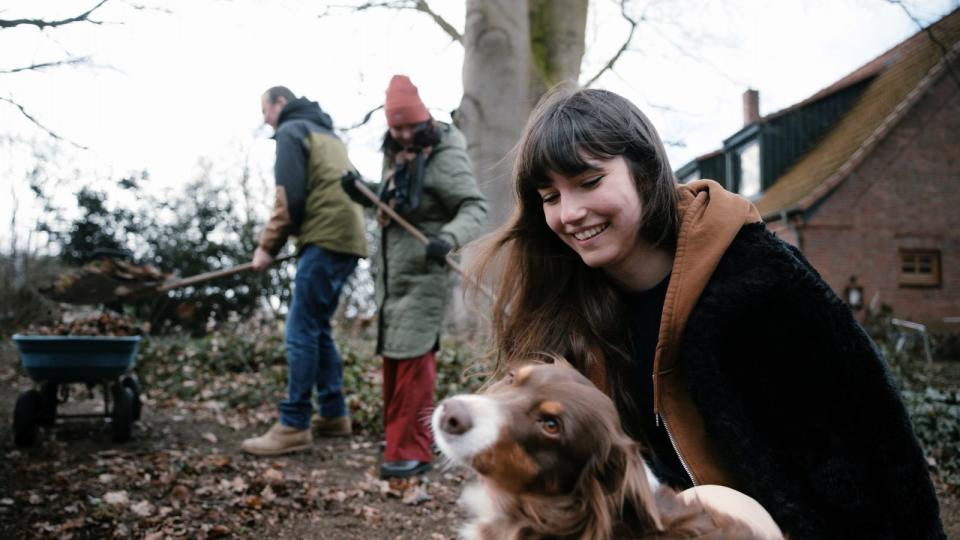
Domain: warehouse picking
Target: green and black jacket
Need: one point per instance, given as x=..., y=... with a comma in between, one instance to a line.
x=309, y=201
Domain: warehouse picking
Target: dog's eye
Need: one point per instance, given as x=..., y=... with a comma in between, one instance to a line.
x=550, y=425
x=509, y=378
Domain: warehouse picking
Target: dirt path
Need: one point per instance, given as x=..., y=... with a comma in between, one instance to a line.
x=182, y=477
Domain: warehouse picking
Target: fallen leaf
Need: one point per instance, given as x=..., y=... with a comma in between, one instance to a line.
x=154, y=536
x=35, y=499
x=416, y=495
x=219, y=461
x=71, y=524
x=116, y=497
x=238, y=484
x=143, y=509
x=217, y=531
x=6, y=501
x=106, y=478
x=370, y=514
x=273, y=476
x=210, y=437
x=180, y=493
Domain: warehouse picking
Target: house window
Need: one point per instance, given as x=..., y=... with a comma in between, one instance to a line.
x=750, y=169
x=919, y=267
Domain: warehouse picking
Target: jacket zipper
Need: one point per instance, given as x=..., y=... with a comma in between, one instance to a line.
x=673, y=443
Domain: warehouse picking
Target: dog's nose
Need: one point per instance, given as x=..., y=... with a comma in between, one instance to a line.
x=455, y=419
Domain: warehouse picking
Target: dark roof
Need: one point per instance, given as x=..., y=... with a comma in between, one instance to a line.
x=901, y=76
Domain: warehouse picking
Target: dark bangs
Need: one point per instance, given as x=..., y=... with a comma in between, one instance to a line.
x=559, y=138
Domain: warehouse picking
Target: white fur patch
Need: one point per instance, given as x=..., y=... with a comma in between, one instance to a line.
x=477, y=501
x=651, y=478
x=487, y=422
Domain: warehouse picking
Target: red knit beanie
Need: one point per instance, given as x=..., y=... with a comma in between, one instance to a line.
x=403, y=105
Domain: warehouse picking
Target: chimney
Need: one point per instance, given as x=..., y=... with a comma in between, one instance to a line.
x=751, y=107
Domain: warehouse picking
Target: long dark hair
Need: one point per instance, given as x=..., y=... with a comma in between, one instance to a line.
x=548, y=300
x=428, y=133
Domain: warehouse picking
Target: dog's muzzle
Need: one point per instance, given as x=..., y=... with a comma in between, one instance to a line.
x=465, y=425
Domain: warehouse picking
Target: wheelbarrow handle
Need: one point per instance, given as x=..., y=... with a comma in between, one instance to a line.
x=207, y=276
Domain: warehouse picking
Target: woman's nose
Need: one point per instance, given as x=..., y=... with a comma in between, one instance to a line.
x=571, y=210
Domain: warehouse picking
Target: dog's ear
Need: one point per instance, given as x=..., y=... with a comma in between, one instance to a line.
x=625, y=481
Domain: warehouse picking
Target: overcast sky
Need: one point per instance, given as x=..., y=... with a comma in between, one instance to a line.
x=171, y=86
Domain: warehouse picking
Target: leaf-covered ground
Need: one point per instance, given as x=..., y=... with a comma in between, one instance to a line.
x=182, y=475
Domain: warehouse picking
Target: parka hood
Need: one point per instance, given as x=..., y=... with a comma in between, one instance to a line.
x=304, y=109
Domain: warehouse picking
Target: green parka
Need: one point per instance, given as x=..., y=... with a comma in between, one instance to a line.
x=413, y=292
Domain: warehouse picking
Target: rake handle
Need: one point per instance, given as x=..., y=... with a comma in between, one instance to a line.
x=207, y=276
x=451, y=262
x=362, y=188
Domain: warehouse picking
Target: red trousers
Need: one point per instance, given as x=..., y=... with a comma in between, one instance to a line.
x=407, y=405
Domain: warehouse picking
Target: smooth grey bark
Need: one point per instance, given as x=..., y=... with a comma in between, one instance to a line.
x=514, y=51
x=495, y=103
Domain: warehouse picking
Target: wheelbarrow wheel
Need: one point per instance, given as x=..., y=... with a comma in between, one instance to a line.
x=122, y=417
x=25, y=412
x=47, y=412
x=130, y=381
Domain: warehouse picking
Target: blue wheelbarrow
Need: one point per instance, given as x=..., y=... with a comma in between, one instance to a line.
x=54, y=362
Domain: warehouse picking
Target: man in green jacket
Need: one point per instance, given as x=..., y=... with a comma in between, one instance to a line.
x=330, y=237
x=428, y=180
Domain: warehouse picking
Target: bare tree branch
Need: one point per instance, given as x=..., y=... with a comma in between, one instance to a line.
x=366, y=118
x=928, y=30
x=38, y=124
x=413, y=5
x=623, y=48
x=44, y=65
x=685, y=51
x=41, y=23
x=422, y=6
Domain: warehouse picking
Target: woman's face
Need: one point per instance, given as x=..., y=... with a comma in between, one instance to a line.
x=596, y=213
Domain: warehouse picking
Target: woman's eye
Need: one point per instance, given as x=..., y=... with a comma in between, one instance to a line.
x=551, y=425
x=592, y=182
x=550, y=198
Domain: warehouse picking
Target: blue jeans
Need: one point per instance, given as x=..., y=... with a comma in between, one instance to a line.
x=312, y=356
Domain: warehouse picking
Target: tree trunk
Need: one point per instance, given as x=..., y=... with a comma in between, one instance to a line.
x=495, y=102
x=557, y=33
x=514, y=51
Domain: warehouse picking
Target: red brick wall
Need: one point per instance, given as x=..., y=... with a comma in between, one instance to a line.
x=906, y=194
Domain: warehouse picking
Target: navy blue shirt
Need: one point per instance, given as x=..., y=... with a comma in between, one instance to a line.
x=645, y=309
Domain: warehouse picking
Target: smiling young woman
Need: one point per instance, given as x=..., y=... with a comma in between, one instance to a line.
x=709, y=333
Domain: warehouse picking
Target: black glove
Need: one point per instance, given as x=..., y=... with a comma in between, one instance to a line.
x=437, y=250
x=348, y=183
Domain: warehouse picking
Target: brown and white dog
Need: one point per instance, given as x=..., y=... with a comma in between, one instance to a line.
x=554, y=462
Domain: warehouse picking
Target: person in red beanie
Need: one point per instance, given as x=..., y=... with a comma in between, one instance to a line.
x=428, y=180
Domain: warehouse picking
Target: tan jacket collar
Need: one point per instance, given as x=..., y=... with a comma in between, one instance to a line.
x=710, y=218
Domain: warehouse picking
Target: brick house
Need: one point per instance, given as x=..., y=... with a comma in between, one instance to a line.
x=864, y=176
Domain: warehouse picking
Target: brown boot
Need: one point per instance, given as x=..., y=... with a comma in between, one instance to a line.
x=331, y=427
x=280, y=439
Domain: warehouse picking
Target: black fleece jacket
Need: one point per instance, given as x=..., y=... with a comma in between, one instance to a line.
x=800, y=401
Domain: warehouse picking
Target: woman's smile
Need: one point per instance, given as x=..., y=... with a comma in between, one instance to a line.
x=587, y=234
